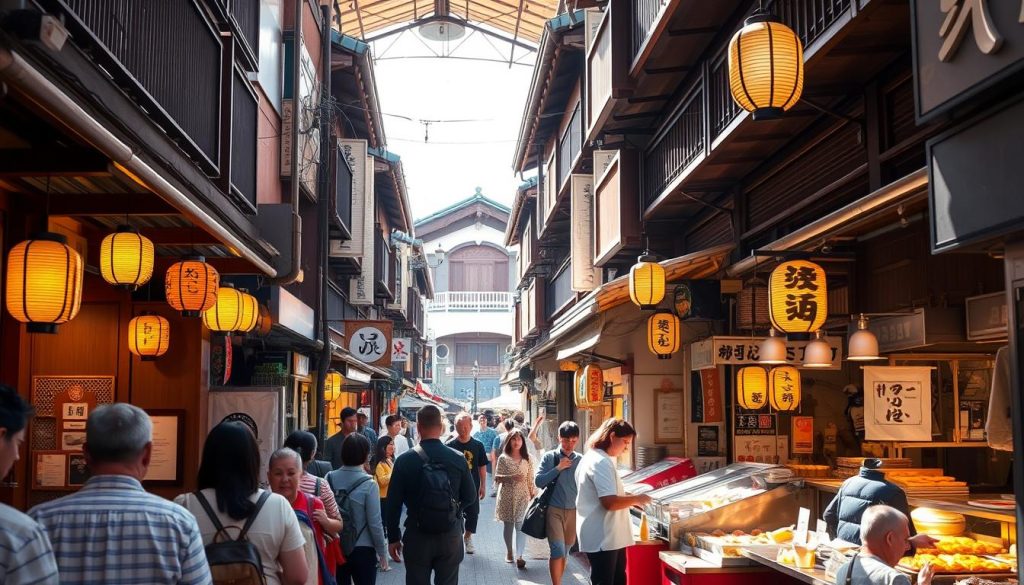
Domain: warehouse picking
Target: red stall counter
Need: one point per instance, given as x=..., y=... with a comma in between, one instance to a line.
x=668, y=471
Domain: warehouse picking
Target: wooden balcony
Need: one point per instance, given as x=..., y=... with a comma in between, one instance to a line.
x=616, y=204
x=607, y=67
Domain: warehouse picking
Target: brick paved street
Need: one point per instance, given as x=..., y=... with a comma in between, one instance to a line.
x=488, y=566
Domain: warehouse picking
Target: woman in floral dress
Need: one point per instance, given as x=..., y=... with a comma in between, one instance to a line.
x=514, y=476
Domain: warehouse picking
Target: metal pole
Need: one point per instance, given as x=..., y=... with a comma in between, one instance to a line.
x=476, y=377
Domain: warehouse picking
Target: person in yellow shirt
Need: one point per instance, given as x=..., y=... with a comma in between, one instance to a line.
x=382, y=463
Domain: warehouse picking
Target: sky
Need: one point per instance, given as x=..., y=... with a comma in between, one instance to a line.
x=458, y=156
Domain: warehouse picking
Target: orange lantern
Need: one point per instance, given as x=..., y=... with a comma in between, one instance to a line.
x=44, y=282
x=149, y=336
x=191, y=286
x=663, y=334
x=593, y=379
x=579, y=386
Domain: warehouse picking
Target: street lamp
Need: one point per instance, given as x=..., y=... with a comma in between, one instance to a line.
x=476, y=381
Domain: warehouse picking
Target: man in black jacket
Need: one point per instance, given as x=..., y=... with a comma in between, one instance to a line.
x=427, y=552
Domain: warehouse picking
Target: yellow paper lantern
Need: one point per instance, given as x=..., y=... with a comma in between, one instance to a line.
x=149, y=336
x=646, y=282
x=663, y=334
x=798, y=297
x=579, y=389
x=567, y=366
x=332, y=385
x=766, y=67
x=191, y=286
x=225, y=315
x=751, y=387
x=44, y=282
x=784, y=388
x=264, y=322
x=126, y=258
x=250, y=312
x=593, y=379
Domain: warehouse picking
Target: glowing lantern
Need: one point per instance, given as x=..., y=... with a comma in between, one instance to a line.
x=766, y=67
x=126, y=258
x=225, y=315
x=579, y=389
x=663, y=334
x=191, y=286
x=567, y=366
x=149, y=336
x=751, y=387
x=264, y=322
x=593, y=379
x=332, y=385
x=249, y=310
x=784, y=388
x=646, y=282
x=44, y=282
x=798, y=297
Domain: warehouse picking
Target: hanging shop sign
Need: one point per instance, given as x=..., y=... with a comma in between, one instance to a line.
x=961, y=48
x=987, y=317
x=754, y=424
x=798, y=297
x=288, y=311
x=803, y=434
x=400, y=348
x=897, y=403
x=585, y=276
x=697, y=299
x=370, y=341
x=663, y=334
x=742, y=351
x=361, y=245
x=706, y=396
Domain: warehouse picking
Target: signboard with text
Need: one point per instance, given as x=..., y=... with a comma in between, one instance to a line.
x=897, y=403
x=400, y=348
x=370, y=341
x=742, y=351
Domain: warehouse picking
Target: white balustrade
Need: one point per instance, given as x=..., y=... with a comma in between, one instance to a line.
x=470, y=301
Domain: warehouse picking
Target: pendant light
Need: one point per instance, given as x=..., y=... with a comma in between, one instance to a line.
x=646, y=282
x=784, y=388
x=751, y=387
x=766, y=66
x=663, y=334
x=44, y=282
x=818, y=353
x=149, y=336
x=332, y=385
x=225, y=316
x=863, y=345
x=126, y=258
x=191, y=286
x=773, y=349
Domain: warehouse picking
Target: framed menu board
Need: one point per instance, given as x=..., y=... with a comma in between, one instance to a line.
x=167, y=459
x=668, y=415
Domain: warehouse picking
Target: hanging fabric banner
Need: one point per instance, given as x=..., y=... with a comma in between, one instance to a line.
x=897, y=403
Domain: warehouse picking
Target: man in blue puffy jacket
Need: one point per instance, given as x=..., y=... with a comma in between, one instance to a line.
x=857, y=494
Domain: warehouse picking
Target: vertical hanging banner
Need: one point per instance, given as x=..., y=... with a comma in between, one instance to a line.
x=585, y=276
x=361, y=246
x=897, y=403
x=711, y=388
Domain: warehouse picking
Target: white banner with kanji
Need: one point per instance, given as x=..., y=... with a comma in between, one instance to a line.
x=897, y=403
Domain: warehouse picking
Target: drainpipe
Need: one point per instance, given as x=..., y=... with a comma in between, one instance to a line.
x=296, y=265
x=323, y=211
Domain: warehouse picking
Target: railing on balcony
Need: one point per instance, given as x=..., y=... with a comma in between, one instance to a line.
x=723, y=109
x=569, y=146
x=454, y=302
x=810, y=18
x=679, y=144
x=645, y=15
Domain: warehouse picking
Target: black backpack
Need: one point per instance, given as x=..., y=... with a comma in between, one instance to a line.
x=233, y=561
x=349, y=535
x=439, y=510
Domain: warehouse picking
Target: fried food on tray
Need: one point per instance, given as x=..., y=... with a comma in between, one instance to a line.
x=963, y=545
x=953, y=563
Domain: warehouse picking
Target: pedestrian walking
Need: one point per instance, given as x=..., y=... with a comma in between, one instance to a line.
x=283, y=475
x=393, y=424
x=229, y=484
x=433, y=483
x=363, y=427
x=88, y=528
x=358, y=498
x=558, y=470
x=25, y=552
x=486, y=435
x=514, y=476
x=603, y=526
x=304, y=443
x=332, y=446
x=381, y=465
x=498, y=446
x=476, y=459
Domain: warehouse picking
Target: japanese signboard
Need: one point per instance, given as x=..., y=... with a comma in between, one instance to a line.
x=361, y=245
x=754, y=424
x=585, y=276
x=798, y=297
x=370, y=341
x=761, y=449
x=400, y=348
x=743, y=351
x=897, y=403
x=803, y=434
x=706, y=393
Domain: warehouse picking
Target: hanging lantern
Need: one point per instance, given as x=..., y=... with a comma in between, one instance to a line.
x=799, y=297
x=249, y=311
x=225, y=315
x=191, y=286
x=751, y=387
x=264, y=322
x=593, y=379
x=766, y=67
x=663, y=334
x=567, y=366
x=149, y=336
x=44, y=282
x=646, y=282
x=784, y=388
x=126, y=258
x=579, y=389
x=332, y=385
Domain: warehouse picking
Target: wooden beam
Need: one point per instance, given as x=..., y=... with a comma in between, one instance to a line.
x=359, y=17
x=110, y=204
x=648, y=98
x=61, y=162
x=661, y=70
x=180, y=236
x=515, y=35
x=702, y=30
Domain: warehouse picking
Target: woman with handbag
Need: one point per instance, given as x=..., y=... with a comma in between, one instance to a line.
x=558, y=475
x=514, y=476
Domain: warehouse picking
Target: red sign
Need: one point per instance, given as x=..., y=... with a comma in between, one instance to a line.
x=711, y=386
x=803, y=434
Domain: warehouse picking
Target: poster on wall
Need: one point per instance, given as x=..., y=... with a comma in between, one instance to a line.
x=261, y=409
x=897, y=403
x=761, y=449
x=803, y=434
x=668, y=415
x=707, y=441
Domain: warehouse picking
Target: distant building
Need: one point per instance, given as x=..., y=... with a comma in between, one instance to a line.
x=471, y=316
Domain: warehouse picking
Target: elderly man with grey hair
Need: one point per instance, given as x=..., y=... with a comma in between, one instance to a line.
x=476, y=459
x=885, y=534
x=112, y=531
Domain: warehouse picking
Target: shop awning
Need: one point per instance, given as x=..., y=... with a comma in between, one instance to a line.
x=579, y=345
x=357, y=370
x=503, y=400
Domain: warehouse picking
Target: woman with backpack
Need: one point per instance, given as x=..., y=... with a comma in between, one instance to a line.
x=381, y=465
x=283, y=474
x=304, y=443
x=229, y=503
x=358, y=498
x=514, y=476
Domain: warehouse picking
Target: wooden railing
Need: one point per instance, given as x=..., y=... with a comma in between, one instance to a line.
x=645, y=16
x=447, y=302
x=679, y=144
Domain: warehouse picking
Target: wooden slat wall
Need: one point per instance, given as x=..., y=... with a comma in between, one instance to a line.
x=714, y=230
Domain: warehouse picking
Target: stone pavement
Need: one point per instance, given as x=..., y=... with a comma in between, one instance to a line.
x=488, y=566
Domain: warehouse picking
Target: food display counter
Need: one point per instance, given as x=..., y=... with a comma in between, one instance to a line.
x=668, y=471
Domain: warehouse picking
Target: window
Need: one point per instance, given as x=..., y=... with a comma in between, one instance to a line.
x=478, y=269
x=484, y=354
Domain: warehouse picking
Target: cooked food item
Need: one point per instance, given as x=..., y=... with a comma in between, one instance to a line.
x=718, y=533
x=781, y=535
x=980, y=581
x=953, y=563
x=963, y=545
x=786, y=556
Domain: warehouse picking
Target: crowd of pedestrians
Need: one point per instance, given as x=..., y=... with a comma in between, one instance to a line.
x=317, y=522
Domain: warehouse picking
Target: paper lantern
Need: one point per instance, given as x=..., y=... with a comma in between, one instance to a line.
x=646, y=282
x=126, y=258
x=149, y=336
x=751, y=387
x=567, y=366
x=44, y=282
x=249, y=312
x=264, y=322
x=798, y=296
x=332, y=385
x=593, y=379
x=766, y=67
x=784, y=388
x=579, y=389
x=191, y=286
x=225, y=315
x=663, y=334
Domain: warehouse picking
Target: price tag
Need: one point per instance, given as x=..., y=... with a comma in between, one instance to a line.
x=822, y=531
x=803, y=519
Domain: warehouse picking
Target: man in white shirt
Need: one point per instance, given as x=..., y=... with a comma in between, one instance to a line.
x=885, y=534
x=393, y=424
